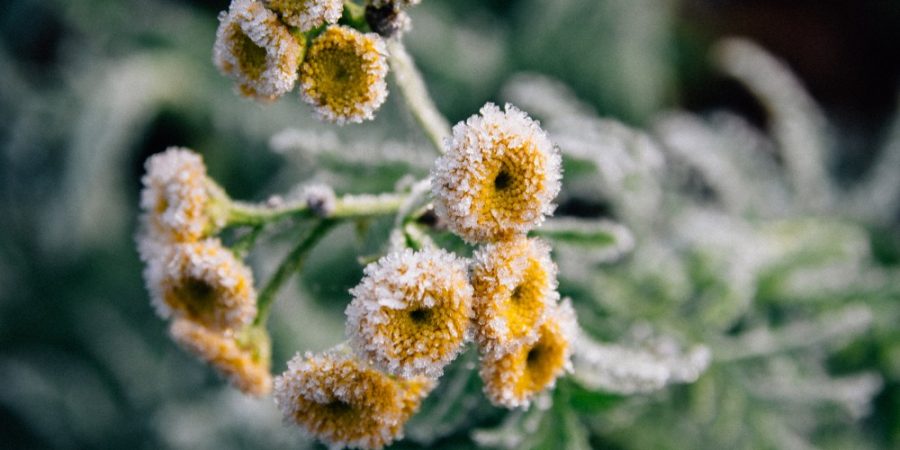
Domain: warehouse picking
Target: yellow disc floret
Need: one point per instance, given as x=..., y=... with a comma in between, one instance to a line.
x=243, y=358
x=257, y=51
x=515, y=285
x=512, y=379
x=204, y=282
x=307, y=14
x=343, y=75
x=411, y=312
x=339, y=400
x=498, y=176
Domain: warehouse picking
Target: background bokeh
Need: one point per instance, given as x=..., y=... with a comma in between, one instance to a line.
x=90, y=88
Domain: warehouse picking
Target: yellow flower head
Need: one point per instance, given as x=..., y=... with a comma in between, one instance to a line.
x=343, y=75
x=204, y=282
x=180, y=203
x=513, y=379
x=307, y=14
x=498, y=176
x=411, y=312
x=344, y=403
x=243, y=358
x=257, y=51
x=515, y=285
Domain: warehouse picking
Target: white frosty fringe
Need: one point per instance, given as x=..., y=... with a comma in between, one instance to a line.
x=459, y=173
x=403, y=280
x=630, y=370
x=262, y=27
x=307, y=14
x=177, y=179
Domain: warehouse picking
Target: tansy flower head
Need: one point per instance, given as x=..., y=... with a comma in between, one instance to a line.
x=410, y=314
x=307, y=14
x=256, y=50
x=342, y=402
x=243, y=357
x=204, y=282
x=512, y=379
x=343, y=74
x=498, y=176
x=179, y=201
x=515, y=285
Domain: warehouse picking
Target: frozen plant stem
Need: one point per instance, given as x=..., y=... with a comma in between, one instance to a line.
x=291, y=264
x=346, y=207
x=415, y=94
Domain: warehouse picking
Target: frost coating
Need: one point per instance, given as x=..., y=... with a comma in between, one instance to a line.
x=203, y=282
x=514, y=378
x=174, y=200
x=245, y=367
x=515, y=286
x=343, y=75
x=256, y=50
x=307, y=14
x=338, y=399
x=498, y=176
x=411, y=313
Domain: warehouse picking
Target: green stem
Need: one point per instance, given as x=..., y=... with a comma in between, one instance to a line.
x=346, y=207
x=415, y=94
x=289, y=266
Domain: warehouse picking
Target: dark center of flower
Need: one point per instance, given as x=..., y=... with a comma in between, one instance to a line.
x=534, y=356
x=502, y=181
x=516, y=294
x=199, y=294
x=338, y=407
x=420, y=315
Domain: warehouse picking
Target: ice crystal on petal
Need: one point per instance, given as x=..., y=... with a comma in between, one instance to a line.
x=257, y=51
x=498, y=177
x=410, y=314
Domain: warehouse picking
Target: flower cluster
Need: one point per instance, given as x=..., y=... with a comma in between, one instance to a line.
x=340, y=60
x=413, y=311
x=495, y=182
x=192, y=277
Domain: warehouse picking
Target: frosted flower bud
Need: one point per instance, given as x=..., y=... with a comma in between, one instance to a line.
x=205, y=283
x=320, y=199
x=498, y=177
x=242, y=358
x=179, y=202
x=343, y=75
x=513, y=379
x=307, y=14
x=339, y=400
x=411, y=312
x=257, y=51
x=515, y=287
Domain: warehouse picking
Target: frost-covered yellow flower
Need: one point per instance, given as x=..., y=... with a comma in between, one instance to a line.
x=343, y=75
x=307, y=14
x=515, y=286
x=498, y=176
x=179, y=201
x=205, y=283
x=257, y=51
x=339, y=400
x=243, y=357
x=411, y=312
x=512, y=379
